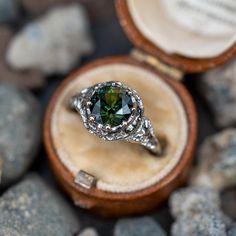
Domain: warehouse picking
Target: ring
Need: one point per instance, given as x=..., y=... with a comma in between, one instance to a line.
x=113, y=111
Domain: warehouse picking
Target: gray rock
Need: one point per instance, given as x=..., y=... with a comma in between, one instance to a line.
x=199, y=225
x=88, y=232
x=138, y=227
x=8, y=10
x=194, y=200
x=29, y=78
x=232, y=230
x=30, y=208
x=218, y=86
x=197, y=212
x=20, y=128
x=53, y=43
x=217, y=161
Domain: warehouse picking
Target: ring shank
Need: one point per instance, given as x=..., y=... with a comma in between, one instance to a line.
x=145, y=136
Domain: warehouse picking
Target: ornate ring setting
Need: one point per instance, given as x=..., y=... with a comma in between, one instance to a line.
x=113, y=111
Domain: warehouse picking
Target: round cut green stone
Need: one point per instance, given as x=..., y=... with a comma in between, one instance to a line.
x=111, y=105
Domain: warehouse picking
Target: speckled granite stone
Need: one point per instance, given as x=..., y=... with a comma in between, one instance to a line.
x=199, y=224
x=197, y=212
x=194, y=200
x=217, y=161
x=31, y=208
x=218, y=86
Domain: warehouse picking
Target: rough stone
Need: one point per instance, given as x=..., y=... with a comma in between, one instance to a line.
x=218, y=86
x=194, y=200
x=217, y=161
x=20, y=128
x=199, y=224
x=29, y=78
x=31, y=208
x=8, y=10
x=138, y=227
x=197, y=212
x=88, y=232
x=52, y=44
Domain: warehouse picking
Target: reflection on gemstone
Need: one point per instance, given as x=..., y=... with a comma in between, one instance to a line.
x=111, y=105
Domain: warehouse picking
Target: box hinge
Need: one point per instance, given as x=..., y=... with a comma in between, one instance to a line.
x=172, y=72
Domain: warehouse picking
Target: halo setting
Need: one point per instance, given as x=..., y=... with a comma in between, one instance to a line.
x=113, y=111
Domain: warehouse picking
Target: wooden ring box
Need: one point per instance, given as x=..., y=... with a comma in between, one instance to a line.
x=123, y=178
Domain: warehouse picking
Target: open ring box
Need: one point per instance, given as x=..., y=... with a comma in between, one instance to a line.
x=119, y=178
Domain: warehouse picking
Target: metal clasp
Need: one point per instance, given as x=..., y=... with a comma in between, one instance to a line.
x=172, y=72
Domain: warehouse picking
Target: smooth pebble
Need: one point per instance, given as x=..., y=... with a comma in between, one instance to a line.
x=20, y=131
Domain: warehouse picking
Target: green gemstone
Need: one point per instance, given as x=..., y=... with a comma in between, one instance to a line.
x=111, y=105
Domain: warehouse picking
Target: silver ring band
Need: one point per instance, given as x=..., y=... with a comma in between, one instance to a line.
x=145, y=136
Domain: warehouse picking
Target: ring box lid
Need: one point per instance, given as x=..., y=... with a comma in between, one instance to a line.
x=132, y=15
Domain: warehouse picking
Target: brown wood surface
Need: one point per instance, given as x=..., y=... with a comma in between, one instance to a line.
x=120, y=204
x=187, y=65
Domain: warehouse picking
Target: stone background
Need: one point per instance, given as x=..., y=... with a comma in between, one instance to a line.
x=110, y=40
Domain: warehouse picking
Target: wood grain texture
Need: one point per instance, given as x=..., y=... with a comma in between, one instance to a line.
x=120, y=204
x=187, y=65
